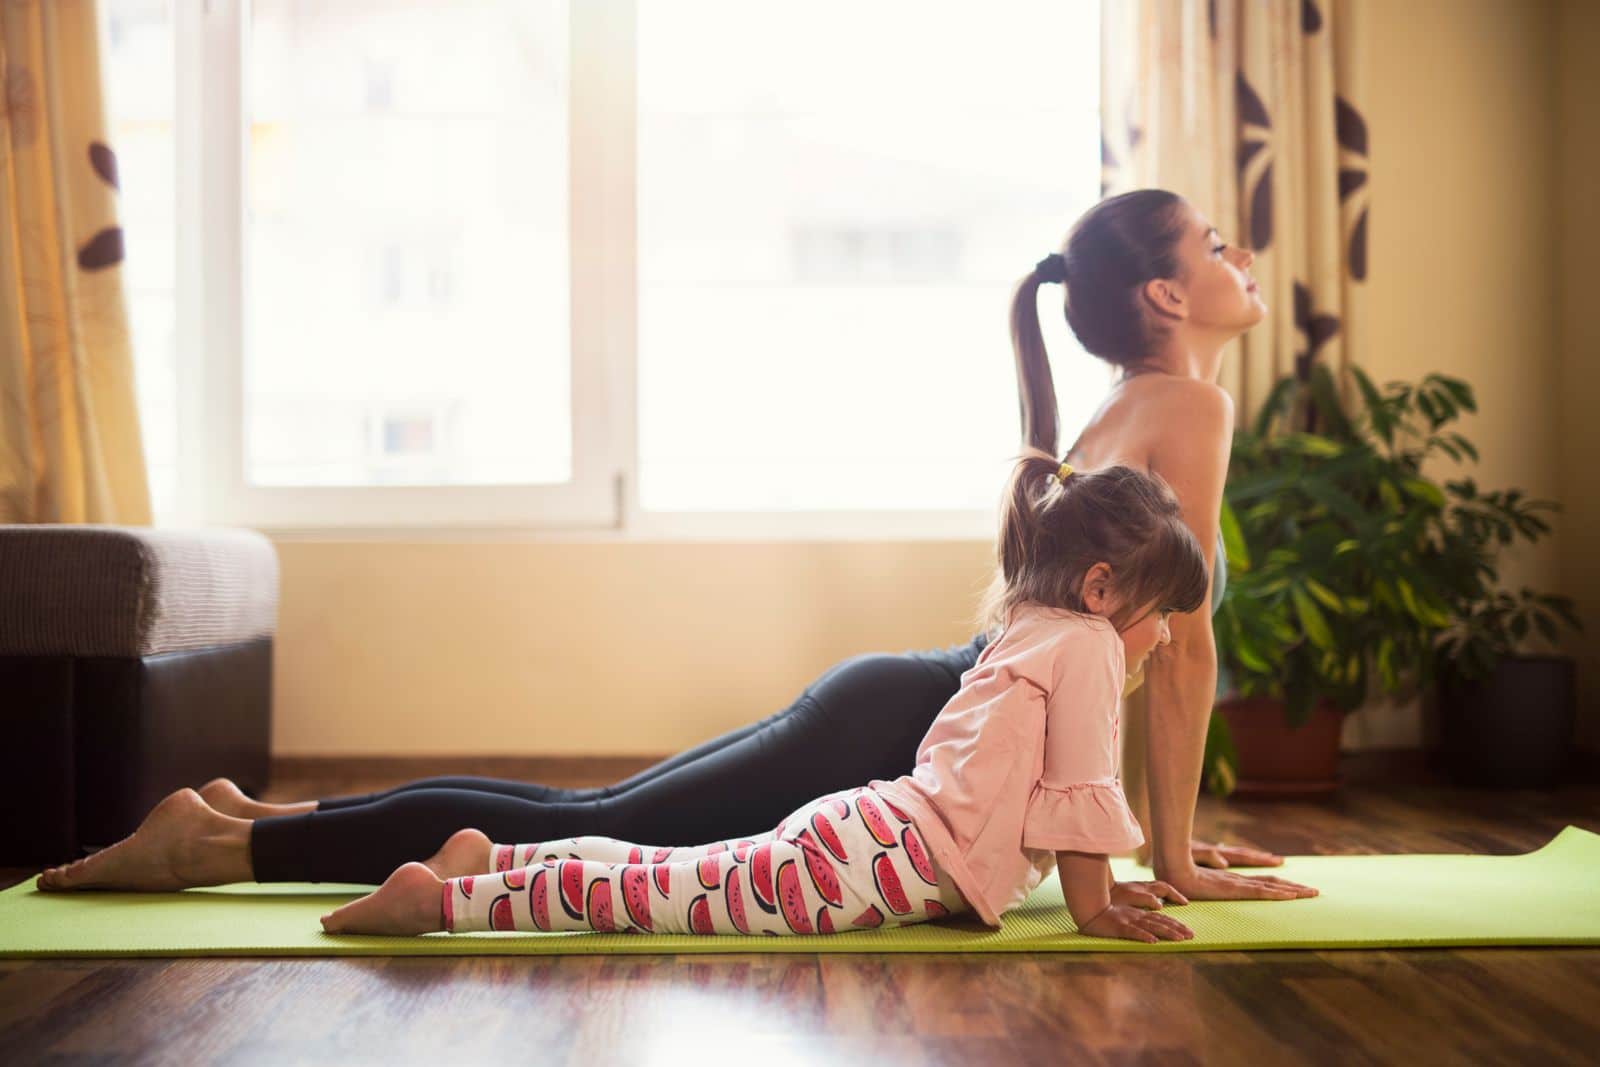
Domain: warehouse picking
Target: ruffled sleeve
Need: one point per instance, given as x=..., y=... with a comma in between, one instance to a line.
x=1083, y=817
x=1077, y=804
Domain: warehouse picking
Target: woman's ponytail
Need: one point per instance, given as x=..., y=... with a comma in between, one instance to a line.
x=1036, y=388
x=1113, y=249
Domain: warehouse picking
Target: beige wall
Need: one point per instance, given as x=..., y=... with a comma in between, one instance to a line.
x=559, y=648
x=1461, y=96
x=547, y=647
x=1578, y=163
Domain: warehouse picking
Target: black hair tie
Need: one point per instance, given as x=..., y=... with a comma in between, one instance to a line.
x=1052, y=268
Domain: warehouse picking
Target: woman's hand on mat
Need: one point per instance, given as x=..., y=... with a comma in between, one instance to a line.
x=1207, y=854
x=1203, y=883
x=1147, y=895
x=1135, y=924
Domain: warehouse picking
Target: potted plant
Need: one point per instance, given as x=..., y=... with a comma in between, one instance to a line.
x=1351, y=572
x=1506, y=715
x=1334, y=591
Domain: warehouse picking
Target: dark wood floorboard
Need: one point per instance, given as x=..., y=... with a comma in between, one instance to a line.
x=1414, y=1007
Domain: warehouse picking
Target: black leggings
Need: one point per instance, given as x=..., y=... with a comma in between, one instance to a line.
x=862, y=719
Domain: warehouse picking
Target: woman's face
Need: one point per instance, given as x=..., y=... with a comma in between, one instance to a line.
x=1219, y=293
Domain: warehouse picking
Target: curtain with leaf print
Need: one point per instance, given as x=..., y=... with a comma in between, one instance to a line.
x=70, y=444
x=1253, y=111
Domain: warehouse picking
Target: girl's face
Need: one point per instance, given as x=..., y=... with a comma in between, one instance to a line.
x=1147, y=630
x=1217, y=292
x=1147, y=633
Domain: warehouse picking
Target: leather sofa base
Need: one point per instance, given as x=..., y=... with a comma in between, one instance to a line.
x=94, y=742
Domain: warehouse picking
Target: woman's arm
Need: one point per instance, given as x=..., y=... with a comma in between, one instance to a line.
x=1181, y=679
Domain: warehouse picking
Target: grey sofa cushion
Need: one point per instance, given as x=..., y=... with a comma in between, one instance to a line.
x=103, y=590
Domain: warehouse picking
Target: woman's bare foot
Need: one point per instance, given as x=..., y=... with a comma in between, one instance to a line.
x=229, y=799
x=408, y=902
x=466, y=852
x=182, y=842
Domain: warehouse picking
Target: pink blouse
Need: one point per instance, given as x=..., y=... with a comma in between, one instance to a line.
x=1022, y=761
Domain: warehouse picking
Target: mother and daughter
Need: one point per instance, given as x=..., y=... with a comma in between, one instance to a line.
x=1015, y=734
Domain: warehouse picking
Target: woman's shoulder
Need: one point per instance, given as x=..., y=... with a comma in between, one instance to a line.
x=1179, y=396
x=1154, y=415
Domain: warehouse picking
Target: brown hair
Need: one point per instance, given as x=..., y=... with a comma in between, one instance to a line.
x=1110, y=252
x=1052, y=532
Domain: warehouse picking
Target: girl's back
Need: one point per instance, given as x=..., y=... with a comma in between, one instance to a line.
x=1024, y=755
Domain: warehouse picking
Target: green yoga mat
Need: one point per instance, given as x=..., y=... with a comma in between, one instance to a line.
x=1547, y=897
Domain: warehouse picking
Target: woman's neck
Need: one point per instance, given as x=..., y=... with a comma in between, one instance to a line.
x=1183, y=358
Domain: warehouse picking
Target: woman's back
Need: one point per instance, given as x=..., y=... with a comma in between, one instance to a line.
x=1143, y=417
x=1147, y=418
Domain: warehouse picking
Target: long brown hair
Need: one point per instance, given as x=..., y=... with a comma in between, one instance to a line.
x=1052, y=532
x=1110, y=252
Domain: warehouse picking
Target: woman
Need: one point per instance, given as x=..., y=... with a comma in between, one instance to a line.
x=1149, y=289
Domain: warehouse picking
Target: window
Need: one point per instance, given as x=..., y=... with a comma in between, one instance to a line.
x=660, y=267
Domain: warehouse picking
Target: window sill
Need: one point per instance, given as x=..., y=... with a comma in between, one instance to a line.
x=670, y=527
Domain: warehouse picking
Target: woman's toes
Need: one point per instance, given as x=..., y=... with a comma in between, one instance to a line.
x=222, y=795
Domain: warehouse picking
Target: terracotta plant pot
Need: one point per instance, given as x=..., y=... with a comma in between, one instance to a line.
x=1279, y=760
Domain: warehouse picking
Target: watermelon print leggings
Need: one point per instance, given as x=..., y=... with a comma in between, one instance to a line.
x=848, y=860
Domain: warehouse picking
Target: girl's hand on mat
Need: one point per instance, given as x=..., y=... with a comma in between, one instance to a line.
x=1219, y=855
x=1203, y=883
x=1134, y=924
x=1147, y=895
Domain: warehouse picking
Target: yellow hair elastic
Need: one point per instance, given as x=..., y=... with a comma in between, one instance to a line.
x=1064, y=470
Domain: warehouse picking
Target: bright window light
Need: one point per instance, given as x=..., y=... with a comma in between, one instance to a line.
x=406, y=297
x=834, y=203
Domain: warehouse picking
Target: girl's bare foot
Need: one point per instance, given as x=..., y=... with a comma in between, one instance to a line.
x=182, y=842
x=229, y=799
x=409, y=902
x=466, y=852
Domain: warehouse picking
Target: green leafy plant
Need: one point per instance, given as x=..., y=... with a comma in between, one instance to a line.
x=1472, y=530
x=1350, y=570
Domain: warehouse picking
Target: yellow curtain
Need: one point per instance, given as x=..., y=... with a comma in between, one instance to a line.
x=70, y=447
x=1253, y=111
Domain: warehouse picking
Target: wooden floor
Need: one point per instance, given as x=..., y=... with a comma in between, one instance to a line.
x=1418, y=1007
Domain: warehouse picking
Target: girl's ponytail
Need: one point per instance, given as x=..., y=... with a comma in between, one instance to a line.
x=1052, y=531
x=1022, y=512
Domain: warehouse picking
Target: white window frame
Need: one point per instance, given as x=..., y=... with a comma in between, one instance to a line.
x=601, y=502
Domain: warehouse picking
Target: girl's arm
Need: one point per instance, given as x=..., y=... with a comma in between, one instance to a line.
x=1086, y=887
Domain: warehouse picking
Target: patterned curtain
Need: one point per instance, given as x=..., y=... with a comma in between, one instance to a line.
x=70, y=447
x=1252, y=110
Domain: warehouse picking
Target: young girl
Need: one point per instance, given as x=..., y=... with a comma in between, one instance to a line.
x=1018, y=774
